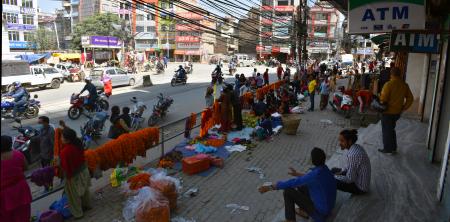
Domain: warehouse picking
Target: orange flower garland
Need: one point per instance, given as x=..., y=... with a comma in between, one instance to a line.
x=122, y=150
x=57, y=147
x=138, y=181
x=193, y=120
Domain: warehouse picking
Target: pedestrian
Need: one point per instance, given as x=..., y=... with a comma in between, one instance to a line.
x=126, y=116
x=355, y=177
x=107, y=84
x=371, y=67
x=287, y=75
x=242, y=79
x=237, y=110
x=312, y=92
x=324, y=93
x=279, y=72
x=118, y=125
x=15, y=194
x=259, y=80
x=166, y=60
x=333, y=83
x=255, y=72
x=260, y=107
x=237, y=84
x=397, y=96
x=244, y=89
x=266, y=77
x=385, y=74
x=225, y=110
x=76, y=173
x=314, y=192
x=209, y=97
x=46, y=140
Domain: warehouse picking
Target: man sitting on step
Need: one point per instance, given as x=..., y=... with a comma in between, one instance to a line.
x=314, y=192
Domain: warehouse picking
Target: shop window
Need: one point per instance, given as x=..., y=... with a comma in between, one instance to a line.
x=28, y=36
x=11, y=17
x=13, y=35
x=28, y=19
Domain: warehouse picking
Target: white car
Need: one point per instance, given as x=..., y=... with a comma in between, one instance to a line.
x=119, y=77
x=30, y=76
x=244, y=60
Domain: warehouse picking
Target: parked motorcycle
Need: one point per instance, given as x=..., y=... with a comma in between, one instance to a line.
x=342, y=102
x=178, y=81
x=79, y=105
x=160, y=109
x=189, y=68
x=149, y=66
x=23, y=140
x=159, y=68
x=28, y=110
x=136, y=116
x=93, y=128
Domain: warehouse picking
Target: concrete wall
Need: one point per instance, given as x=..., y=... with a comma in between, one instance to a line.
x=5, y=40
x=417, y=66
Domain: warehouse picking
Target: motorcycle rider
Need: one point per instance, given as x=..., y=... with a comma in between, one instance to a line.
x=181, y=73
x=20, y=96
x=160, y=65
x=93, y=95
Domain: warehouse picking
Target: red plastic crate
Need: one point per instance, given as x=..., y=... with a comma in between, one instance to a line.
x=192, y=165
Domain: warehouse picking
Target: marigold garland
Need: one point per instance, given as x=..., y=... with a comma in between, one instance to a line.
x=139, y=180
x=57, y=147
x=122, y=150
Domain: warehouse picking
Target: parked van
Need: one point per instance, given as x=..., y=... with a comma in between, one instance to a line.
x=244, y=60
x=30, y=76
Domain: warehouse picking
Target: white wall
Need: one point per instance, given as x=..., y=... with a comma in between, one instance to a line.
x=417, y=66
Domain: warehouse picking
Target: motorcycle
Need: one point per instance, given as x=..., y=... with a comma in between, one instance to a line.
x=136, y=115
x=28, y=110
x=178, y=81
x=160, y=109
x=342, y=102
x=93, y=128
x=24, y=139
x=159, y=68
x=79, y=105
x=216, y=77
x=149, y=66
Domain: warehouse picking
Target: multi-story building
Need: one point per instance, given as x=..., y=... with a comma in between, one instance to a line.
x=277, y=28
x=59, y=24
x=188, y=36
x=21, y=23
x=166, y=28
x=144, y=28
x=247, y=28
x=322, y=30
x=227, y=43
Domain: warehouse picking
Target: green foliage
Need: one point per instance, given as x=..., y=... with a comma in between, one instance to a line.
x=43, y=40
x=100, y=25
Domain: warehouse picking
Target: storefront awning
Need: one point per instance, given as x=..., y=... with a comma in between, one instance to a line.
x=34, y=57
x=66, y=56
x=381, y=38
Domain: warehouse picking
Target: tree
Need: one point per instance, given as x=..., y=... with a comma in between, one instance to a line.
x=99, y=25
x=43, y=40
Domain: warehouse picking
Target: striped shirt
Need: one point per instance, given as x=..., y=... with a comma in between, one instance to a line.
x=358, y=168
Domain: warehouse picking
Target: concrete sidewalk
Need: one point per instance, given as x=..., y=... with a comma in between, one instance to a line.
x=234, y=184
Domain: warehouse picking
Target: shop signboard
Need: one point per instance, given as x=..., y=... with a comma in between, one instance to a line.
x=363, y=51
x=85, y=40
x=415, y=41
x=285, y=50
x=190, y=15
x=25, y=10
x=144, y=46
x=380, y=16
x=188, y=45
x=20, y=45
x=105, y=41
x=266, y=8
x=320, y=34
x=259, y=48
x=20, y=27
x=186, y=27
x=10, y=8
x=276, y=49
x=187, y=39
x=284, y=8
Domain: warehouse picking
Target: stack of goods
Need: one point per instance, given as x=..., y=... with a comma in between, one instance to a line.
x=122, y=150
x=249, y=120
x=156, y=196
x=200, y=162
x=169, y=160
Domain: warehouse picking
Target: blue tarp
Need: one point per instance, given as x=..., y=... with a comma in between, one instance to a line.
x=34, y=57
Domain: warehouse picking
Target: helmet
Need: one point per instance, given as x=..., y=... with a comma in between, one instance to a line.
x=16, y=84
x=180, y=66
x=87, y=78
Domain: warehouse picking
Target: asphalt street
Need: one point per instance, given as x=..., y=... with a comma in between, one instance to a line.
x=188, y=98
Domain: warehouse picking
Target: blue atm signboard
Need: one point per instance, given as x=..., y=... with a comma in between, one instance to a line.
x=415, y=41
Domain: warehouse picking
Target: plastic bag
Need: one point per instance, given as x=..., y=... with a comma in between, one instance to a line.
x=168, y=186
x=62, y=207
x=139, y=180
x=153, y=206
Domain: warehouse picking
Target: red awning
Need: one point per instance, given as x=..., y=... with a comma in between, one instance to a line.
x=179, y=52
x=193, y=52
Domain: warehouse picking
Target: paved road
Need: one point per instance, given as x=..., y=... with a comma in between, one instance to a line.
x=187, y=99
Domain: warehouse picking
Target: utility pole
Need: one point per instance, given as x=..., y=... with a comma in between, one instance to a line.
x=305, y=32
x=299, y=34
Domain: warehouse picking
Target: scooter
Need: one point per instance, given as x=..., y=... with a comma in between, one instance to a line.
x=93, y=128
x=178, y=81
x=189, y=69
x=136, y=115
x=149, y=66
x=28, y=110
x=159, y=68
x=342, y=102
x=160, y=109
x=216, y=78
x=23, y=140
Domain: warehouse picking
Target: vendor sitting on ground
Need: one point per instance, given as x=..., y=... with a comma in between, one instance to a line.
x=260, y=107
x=265, y=129
x=314, y=192
x=284, y=108
x=271, y=100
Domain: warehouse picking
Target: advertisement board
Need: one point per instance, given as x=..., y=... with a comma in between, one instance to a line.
x=187, y=45
x=101, y=42
x=187, y=39
x=375, y=16
x=19, y=45
x=20, y=27
x=284, y=8
x=414, y=41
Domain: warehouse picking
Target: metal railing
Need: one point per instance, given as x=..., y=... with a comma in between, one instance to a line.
x=167, y=131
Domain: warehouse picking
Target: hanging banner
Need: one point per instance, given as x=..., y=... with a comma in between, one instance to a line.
x=187, y=39
x=374, y=16
x=415, y=41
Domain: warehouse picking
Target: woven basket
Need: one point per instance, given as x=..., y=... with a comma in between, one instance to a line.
x=291, y=123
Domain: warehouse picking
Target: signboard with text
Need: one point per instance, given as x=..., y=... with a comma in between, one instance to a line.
x=20, y=27
x=375, y=16
x=187, y=39
x=415, y=41
x=284, y=8
x=101, y=42
x=187, y=45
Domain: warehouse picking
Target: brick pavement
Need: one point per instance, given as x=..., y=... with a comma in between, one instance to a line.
x=233, y=184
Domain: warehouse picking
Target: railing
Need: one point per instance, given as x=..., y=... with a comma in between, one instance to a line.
x=165, y=135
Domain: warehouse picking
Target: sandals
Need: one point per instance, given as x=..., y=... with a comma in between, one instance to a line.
x=301, y=213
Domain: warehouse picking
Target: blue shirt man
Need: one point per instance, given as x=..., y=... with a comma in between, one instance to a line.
x=314, y=192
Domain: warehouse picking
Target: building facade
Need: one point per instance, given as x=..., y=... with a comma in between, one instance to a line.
x=322, y=31
x=144, y=28
x=246, y=32
x=21, y=22
x=227, y=43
